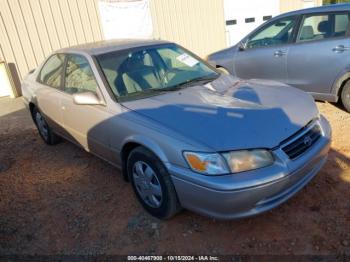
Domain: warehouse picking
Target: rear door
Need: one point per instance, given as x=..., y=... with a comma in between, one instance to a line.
x=84, y=124
x=265, y=52
x=321, y=52
x=48, y=90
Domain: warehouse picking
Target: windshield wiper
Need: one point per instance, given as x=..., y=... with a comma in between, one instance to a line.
x=182, y=85
x=188, y=83
x=160, y=89
x=153, y=90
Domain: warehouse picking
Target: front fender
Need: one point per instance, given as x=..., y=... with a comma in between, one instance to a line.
x=145, y=142
x=150, y=144
x=224, y=58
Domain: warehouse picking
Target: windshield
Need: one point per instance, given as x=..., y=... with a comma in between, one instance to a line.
x=139, y=73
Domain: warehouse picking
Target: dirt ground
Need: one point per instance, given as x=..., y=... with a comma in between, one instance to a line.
x=62, y=200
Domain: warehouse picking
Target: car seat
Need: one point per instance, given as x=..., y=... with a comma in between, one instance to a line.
x=307, y=33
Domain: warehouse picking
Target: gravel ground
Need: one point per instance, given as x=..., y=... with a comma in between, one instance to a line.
x=62, y=200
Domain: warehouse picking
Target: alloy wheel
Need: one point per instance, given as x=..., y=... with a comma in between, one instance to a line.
x=147, y=184
x=42, y=126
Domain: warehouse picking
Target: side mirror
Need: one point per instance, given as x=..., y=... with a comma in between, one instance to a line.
x=86, y=98
x=242, y=46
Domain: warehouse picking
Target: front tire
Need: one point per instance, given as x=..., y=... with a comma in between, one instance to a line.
x=152, y=184
x=345, y=96
x=44, y=129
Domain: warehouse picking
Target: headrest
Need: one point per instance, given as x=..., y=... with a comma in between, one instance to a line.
x=324, y=27
x=307, y=32
x=135, y=61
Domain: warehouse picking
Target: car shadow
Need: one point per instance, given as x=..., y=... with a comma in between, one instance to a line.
x=340, y=106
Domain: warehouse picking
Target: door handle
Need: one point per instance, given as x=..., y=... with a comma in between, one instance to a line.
x=340, y=48
x=279, y=53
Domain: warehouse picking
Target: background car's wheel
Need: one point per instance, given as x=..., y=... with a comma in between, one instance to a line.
x=345, y=96
x=44, y=129
x=152, y=184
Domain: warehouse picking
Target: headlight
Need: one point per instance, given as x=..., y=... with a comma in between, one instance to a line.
x=206, y=163
x=245, y=160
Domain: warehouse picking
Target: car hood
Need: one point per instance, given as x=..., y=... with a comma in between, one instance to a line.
x=230, y=114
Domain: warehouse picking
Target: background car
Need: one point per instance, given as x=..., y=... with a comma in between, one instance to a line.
x=183, y=134
x=308, y=49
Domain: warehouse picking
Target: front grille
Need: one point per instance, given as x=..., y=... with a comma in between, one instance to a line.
x=302, y=143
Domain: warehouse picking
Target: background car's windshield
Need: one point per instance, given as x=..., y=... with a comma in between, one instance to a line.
x=133, y=74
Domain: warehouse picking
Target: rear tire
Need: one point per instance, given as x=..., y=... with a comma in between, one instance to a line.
x=152, y=184
x=345, y=96
x=44, y=129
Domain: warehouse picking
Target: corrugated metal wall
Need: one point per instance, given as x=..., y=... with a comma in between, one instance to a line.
x=199, y=25
x=31, y=29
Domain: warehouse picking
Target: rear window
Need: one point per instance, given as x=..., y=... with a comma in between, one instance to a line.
x=51, y=72
x=341, y=24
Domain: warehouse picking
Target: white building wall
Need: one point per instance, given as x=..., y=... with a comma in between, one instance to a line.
x=238, y=11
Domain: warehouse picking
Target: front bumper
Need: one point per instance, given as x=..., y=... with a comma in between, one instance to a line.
x=250, y=193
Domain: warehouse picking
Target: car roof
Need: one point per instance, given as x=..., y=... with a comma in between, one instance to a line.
x=319, y=9
x=106, y=46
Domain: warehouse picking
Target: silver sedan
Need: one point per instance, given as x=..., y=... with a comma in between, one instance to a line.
x=183, y=134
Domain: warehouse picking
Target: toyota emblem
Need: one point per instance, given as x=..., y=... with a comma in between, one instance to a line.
x=307, y=141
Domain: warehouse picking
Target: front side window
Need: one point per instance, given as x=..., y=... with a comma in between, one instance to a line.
x=318, y=27
x=51, y=72
x=276, y=33
x=142, y=72
x=79, y=77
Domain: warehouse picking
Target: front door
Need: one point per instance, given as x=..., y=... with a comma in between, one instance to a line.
x=265, y=51
x=84, y=124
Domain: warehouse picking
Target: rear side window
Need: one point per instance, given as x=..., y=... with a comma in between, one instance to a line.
x=341, y=24
x=319, y=27
x=51, y=72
